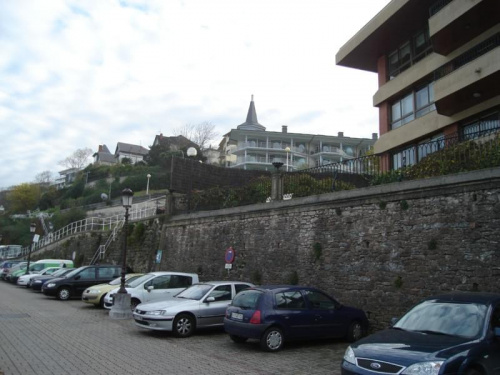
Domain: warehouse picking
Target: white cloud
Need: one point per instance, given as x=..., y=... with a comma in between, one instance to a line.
x=78, y=74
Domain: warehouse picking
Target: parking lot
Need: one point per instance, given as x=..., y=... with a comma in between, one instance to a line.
x=40, y=335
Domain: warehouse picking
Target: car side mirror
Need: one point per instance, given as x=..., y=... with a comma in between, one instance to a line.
x=150, y=288
x=210, y=299
x=77, y=277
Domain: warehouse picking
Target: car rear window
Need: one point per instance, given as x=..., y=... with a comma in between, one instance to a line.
x=247, y=299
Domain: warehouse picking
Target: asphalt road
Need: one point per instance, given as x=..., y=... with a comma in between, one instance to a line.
x=41, y=335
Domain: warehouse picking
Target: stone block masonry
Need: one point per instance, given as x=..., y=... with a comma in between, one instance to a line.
x=379, y=248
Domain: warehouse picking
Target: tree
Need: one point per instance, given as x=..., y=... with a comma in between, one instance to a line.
x=24, y=197
x=201, y=134
x=77, y=159
x=44, y=177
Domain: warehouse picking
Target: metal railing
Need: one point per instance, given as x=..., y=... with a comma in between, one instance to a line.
x=468, y=56
x=101, y=250
x=90, y=224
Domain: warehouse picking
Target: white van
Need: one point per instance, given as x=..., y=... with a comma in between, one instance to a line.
x=46, y=263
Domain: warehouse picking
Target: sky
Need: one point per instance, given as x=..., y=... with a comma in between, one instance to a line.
x=77, y=74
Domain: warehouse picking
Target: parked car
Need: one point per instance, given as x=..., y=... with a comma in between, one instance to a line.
x=75, y=282
x=456, y=333
x=95, y=294
x=25, y=280
x=154, y=286
x=199, y=306
x=6, y=266
x=276, y=314
x=40, y=265
x=15, y=268
x=38, y=280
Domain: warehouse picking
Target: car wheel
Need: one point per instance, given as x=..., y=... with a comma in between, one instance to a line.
x=355, y=332
x=238, y=339
x=63, y=294
x=272, y=340
x=133, y=303
x=101, y=302
x=184, y=325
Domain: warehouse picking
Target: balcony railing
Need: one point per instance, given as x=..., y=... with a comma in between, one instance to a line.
x=471, y=55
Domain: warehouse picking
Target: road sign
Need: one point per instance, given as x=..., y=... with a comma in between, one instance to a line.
x=230, y=253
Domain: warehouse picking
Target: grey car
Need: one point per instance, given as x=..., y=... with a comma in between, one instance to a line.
x=201, y=305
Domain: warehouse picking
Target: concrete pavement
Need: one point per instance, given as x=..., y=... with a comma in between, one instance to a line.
x=41, y=335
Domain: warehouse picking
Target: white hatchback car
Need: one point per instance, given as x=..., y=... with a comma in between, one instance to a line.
x=154, y=286
x=25, y=280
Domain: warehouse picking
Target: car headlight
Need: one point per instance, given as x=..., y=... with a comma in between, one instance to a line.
x=93, y=291
x=349, y=356
x=51, y=285
x=37, y=282
x=427, y=368
x=156, y=312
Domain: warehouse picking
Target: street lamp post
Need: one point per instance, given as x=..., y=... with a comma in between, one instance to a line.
x=121, y=302
x=147, y=186
x=287, y=151
x=32, y=231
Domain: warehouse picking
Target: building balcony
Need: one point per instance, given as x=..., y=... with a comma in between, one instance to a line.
x=271, y=146
x=455, y=22
x=469, y=79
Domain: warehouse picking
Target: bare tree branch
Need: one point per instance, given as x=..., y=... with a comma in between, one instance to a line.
x=201, y=134
x=77, y=159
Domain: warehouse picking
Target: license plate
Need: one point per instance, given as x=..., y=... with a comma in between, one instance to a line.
x=237, y=316
x=138, y=317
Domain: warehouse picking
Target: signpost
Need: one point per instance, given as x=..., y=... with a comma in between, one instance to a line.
x=229, y=258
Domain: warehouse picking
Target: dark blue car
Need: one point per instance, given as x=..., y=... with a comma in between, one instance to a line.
x=275, y=314
x=37, y=281
x=456, y=333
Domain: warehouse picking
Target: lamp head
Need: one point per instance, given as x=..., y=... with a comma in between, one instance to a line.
x=127, y=195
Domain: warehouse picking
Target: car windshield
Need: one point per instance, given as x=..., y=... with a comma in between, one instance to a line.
x=74, y=272
x=196, y=291
x=139, y=281
x=247, y=299
x=118, y=280
x=448, y=318
x=61, y=272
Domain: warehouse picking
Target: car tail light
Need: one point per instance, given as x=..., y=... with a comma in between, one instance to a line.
x=255, y=317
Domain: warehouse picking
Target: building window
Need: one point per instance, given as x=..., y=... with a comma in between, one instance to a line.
x=409, y=53
x=482, y=126
x=418, y=103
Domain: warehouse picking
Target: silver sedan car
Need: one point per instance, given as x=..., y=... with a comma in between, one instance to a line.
x=200, y=305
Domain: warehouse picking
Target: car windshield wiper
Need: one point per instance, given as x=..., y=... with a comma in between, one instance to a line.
x=430, y=332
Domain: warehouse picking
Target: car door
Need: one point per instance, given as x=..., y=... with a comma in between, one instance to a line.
x=84, y=279
x=327, y=322
x=157, y=289
x=492, y=345
x=290, y=310
x=211, y=312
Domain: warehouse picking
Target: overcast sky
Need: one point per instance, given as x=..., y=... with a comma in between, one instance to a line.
x=76, y=74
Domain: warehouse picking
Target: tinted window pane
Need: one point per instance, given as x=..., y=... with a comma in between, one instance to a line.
x=221, y=293
x=248, y=299
x=290, y=300
x=87, y=274
x=319, y=301
x=240, y=287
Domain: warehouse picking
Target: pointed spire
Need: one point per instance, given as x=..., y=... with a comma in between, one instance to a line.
x=251, y=123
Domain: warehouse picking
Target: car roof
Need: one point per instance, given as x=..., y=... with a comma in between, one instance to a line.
x=477, y=297
x=219, y=282
x=280, y=288
x=159, y=273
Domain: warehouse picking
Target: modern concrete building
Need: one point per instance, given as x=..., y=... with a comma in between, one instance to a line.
x=250, y=146
x=438, y=66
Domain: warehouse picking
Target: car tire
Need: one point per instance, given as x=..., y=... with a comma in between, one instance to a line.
x=355, y=332
x=184, y=325
x=101, y=302
x=133, y=303
x=238, y=339
x=63, y=294
x=272, y=340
